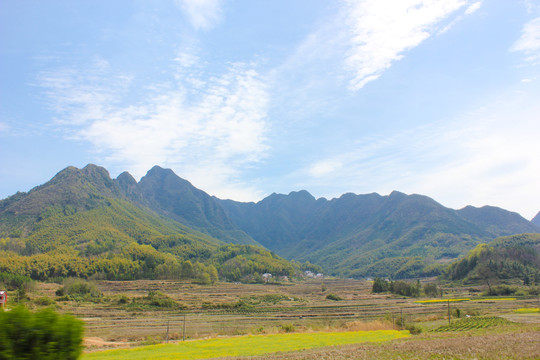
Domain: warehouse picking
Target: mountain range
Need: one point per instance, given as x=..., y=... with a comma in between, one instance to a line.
x=396, y=235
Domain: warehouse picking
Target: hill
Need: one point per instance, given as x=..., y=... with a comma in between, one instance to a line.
x=505, y=258
x=397, y=235
x=83, y=223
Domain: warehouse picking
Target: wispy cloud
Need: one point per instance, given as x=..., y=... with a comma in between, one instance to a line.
x=362, y=39
x=381, y=31
x=473, y=7
x=203, y=14
x=4, y=128
x=485, y=157
x=529, y=41
x=207, y=133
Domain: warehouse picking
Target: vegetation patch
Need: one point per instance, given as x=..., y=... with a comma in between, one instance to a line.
x=434, y=301
x=155, y=299
x=473, y=323
x=527, y=310
x=41, y=335
x=333, y=297
x=247, y=346
x=79, y=289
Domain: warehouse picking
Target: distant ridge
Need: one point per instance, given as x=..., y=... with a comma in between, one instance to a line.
x=397, y=235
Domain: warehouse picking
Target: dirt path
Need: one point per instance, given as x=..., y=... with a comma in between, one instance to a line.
x=96, y=343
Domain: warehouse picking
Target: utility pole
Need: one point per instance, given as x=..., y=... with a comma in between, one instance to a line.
x=167, y=335
x=448, y=311
x=184, y=331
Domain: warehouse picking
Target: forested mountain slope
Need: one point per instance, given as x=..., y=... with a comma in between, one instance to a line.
x=83, y=223
x=167, y=194
x=371, y=235
x=84, y=212
x=509, y=257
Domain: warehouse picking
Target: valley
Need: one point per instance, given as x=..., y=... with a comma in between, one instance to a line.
x=159, y=261
x=302, y=307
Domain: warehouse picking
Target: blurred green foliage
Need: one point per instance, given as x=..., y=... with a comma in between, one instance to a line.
x=43, y=335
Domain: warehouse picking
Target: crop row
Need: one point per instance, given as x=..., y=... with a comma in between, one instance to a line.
x=472, y=324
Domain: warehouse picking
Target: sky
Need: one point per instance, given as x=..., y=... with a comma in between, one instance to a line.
x=244, y=98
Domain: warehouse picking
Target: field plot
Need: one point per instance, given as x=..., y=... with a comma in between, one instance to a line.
x=119, y=319
x=247, y=345
x=518, y=345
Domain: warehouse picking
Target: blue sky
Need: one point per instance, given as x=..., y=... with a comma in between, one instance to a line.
x=245, y=98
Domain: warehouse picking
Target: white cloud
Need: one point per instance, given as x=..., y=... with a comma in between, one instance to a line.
x=324, y=167
x=473, y=7
x=203, y=14
x=486, y=157
x=208, y=134
x=382, y=30
x=529, y=42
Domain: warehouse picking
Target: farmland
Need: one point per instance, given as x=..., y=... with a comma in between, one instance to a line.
x=121, y=319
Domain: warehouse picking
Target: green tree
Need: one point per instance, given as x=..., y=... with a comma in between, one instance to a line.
x=379, y=285
x=44, y=335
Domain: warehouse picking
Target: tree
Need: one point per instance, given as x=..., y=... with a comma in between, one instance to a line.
x=43, y=335
x=485, y=273
x=431, y=289
x=379, y=285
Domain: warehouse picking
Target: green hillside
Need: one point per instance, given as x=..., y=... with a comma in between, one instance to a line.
x=81, y=224
x=398, y=236
x=505, y=258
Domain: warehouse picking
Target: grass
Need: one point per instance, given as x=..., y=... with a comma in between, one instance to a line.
x=527, y=310
x=433, y=301
x=246, y=345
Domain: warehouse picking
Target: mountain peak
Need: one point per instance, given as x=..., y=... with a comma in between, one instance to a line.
x=159, y=171
x=301, y=195
x=126, y=177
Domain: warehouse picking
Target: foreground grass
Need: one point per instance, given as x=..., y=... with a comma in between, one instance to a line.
x=491, y=346
x=246, y=345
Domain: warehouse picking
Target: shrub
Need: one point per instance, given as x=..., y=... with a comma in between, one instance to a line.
x=406, y=289
x=43, y=335
x=123, y=299
x=158, y=299
x=333, y=297
x=44, y=301
x=431, y=290
x=79, y=289
x=19, y=283
x=288, y=328
x=501, y=290
x=413, y=329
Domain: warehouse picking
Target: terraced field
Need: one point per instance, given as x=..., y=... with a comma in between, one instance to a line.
x=473, y=323
x=238, y=309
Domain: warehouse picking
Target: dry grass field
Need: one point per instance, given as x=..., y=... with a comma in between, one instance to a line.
x=119, y=321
